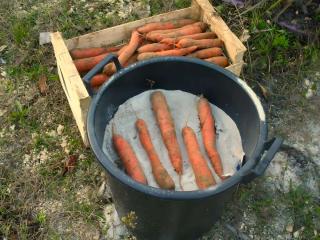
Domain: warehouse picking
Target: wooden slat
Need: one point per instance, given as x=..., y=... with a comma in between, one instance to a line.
x=233, y=45
x=122, y=32
x=72, y=84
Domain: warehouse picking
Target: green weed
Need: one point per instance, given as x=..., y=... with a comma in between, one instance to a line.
x=182, y=3
x=305, y=209
x=19, y=114
x=20, y=32
x=41, y=218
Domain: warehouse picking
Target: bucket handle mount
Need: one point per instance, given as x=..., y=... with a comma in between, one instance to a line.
x=98, y=68
x=271, y=147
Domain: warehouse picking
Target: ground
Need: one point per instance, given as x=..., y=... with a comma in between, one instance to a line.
x=51, y=186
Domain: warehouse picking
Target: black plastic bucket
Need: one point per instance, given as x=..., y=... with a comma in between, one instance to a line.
x=171, y=215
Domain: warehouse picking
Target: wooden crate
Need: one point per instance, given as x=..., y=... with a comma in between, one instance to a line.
x=71, y=81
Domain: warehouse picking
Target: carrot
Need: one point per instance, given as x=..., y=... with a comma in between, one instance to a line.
x=209, y=135
x=186, y=30
x=79, y=53
x=99, y=79
x=131, y=60
x=154, y=47
x=207, y=53
x=122, y=49
x=173, y=52
x=202, y=173
x=164, y=119
x=135, y=40
x=129, y=159
x=86, y=64
x=160, y=174
x=205, y=35
x=164, y=25
x=202, y=43
x=221, y=61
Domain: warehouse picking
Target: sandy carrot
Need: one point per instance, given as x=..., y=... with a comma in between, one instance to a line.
x=99, y=79
x=164, y=25
x=154, y=47
x=207, y=53
x=202, y=173
x=160, y=174
x=173, y=52
x=86, y=64
x=166, y=125
x=79, y=53
x=135, y=40
x=209, y=135
x=220, y=60
x=202, y=43
x=205, y=35
x=129, y=158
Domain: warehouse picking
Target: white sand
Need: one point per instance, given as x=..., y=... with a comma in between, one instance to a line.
x=184, y=111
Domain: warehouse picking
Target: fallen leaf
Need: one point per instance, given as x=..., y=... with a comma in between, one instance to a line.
x=42, y=84
x=70, y=164
x=2, y=48
x=264, y=91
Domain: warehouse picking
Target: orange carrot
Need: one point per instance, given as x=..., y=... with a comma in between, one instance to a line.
x=135, y=40
x=186, y=30
x=207, y=53
x=99, y=79
x=173, y=52
x=122, y=49
x=86, y=64
x=154, y=47
x=202, y=173
x=160, y=174
x=205, y=35
x=164, y=25
x=129, y=159
x=164, y=119
x=202, y=43
x=131, y=60
x=209, y=134
x=221, y=61
x=79, y=53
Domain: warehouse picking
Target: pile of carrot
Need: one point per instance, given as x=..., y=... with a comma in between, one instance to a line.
x=183, y=37
x=203, y=175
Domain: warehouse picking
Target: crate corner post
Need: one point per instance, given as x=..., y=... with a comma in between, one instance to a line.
x=75, y=91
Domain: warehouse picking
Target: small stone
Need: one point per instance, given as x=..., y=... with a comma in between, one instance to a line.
x=307, y=82
x=60, y=129
x=12, y=127
x=101, y=189
x=52, y=133
x=2, y=112
x=289, y=228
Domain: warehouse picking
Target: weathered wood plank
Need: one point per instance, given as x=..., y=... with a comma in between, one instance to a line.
x=72, y=84
x=116, y=34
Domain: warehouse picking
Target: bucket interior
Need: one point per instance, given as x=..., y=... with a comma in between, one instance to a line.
x=197, y=79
